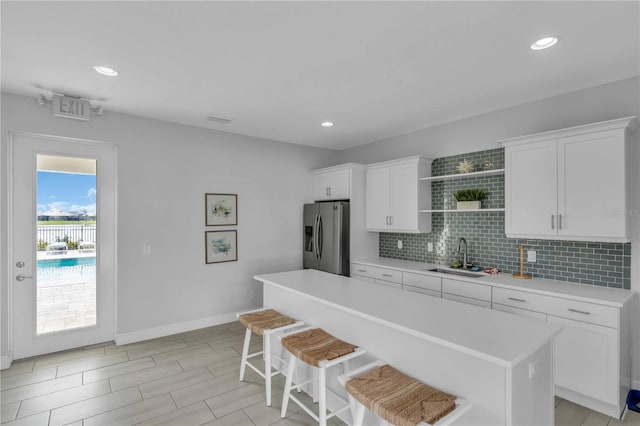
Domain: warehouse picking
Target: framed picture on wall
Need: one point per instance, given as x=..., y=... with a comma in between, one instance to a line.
x=221, y=209
x=221, y=246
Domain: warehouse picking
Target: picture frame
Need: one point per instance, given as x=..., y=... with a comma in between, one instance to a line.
x=221, y=209
x=221, y=246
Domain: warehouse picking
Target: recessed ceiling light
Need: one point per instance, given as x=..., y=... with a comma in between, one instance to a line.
x=327, y=124
x=104, y=70
x=544, y=43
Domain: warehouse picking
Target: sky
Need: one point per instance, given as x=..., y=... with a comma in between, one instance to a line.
x=70, y=192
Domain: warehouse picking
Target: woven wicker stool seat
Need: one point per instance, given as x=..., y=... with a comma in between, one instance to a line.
x=259, y=322
x=399, y=399
x=313, y=346
x=263, y=322
x=321, y=351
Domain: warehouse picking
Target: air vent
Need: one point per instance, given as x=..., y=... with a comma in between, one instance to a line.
x=219, y=119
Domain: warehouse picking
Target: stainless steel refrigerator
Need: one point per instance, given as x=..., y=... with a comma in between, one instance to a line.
x=326, y=237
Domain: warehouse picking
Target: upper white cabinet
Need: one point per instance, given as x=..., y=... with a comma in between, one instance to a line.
x=394, y=195
x=332, y=183
x=570, y=184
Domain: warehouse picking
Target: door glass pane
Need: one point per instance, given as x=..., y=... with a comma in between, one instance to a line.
x=66, y=243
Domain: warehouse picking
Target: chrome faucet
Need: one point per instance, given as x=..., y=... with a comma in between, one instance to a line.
x=465, y=260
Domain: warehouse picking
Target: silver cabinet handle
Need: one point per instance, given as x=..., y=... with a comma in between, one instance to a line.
x=516, y=300
x=362, y=270
x=387, y=219
x=390, y=220
x=579, y=312
x=559, y=221
x=387, y=275
x=553, y=221
x=21, y=277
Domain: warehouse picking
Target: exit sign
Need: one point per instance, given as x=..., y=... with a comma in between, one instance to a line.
x=69, y=107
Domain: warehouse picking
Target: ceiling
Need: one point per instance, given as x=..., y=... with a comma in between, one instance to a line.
x=376, y=69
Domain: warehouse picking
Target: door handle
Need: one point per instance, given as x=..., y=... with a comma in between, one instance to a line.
x=559, y=221
x=315, y=237
x=21, y=277
x=320, y=242
x=553, y=221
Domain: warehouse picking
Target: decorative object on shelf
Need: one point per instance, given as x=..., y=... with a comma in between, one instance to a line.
x=221, y=209
x=465, y=166
x=455, y=264
x=221, y=246
x=521, y=275
x=469, y=199
x=492, y=271
x=487, y=164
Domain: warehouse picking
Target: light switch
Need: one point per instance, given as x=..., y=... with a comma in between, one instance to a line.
x=532, y=368
x=430, y=247
x=400, y=244
x=146, y=250
x=531, y=256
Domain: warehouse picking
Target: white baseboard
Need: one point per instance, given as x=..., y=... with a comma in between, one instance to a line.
x=167, y=330
x=5, y=362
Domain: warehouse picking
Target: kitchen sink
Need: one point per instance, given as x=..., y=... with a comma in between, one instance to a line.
x=454, y=272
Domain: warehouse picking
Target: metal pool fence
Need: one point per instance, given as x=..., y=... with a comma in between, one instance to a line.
x=47, y=234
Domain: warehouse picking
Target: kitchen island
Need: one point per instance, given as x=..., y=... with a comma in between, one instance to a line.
x=500, y=363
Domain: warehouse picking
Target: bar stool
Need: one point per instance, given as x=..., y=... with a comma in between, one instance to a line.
x=320, y=350
x=263, y=322
x=398, y=399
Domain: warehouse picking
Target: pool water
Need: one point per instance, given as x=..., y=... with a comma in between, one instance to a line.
x=66, y=271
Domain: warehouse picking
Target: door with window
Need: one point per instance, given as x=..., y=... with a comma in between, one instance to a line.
x=62, y=230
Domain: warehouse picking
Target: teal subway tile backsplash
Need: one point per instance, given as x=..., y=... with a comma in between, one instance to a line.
x=603, y=264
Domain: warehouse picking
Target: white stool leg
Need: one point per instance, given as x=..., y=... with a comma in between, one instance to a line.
x=245, y=353
x=322, y=397
x=287, y=385
x=314, y=385
x=267, y=366
x=358, y=415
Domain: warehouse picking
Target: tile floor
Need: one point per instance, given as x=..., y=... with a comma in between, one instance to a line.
x=185, y=379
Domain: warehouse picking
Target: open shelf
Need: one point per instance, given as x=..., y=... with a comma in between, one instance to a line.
x=461, y=211
x=482, y=173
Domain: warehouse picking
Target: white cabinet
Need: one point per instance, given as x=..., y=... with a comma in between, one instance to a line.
x=423, y=284
x=383, y=276
x=466, y=292
x=395, y=195
x=586, y=360
x=570, y=184
x=332, y=183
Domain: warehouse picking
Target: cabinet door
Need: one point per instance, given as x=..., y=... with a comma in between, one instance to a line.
x=518, y=311
x=586, y=359
x=404, y=197
x=331, y=186
x=591, y=186
x=377, y=201
x=530, y=189
x=467, y=300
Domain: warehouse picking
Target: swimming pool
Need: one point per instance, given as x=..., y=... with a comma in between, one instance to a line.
x=66, y=271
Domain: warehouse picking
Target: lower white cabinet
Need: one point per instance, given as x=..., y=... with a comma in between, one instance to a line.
x=519, y=311
x=586, y=359
x=467, y=292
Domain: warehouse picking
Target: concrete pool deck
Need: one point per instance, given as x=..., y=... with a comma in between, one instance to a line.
x=63, y=306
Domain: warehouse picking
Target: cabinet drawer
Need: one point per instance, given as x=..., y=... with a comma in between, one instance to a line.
x=363, y=278
x=421, y=290
x=467, y=289
x=522, y=299
x=566, y=308
x=587, y=312
x=518, y=311
x=377, y=273
x=389, y=284
x=426, y=282
x=467, y=300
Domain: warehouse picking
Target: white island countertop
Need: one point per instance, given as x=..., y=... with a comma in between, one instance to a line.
x=583, y=292
x=493, y=336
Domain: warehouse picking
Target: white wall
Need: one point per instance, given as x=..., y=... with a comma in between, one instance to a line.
x=164, y=169
x=609, y=101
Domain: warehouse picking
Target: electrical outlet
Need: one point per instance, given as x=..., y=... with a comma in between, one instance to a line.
x=400, y=244
x=146, y=250
x=531, y=256
x=430, y=247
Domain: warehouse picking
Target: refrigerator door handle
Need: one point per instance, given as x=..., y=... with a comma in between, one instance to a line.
x=320, y=237
x=315, y=237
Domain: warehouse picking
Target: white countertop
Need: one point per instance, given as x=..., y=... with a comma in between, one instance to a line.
x=494, y=336
x=575, y=291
